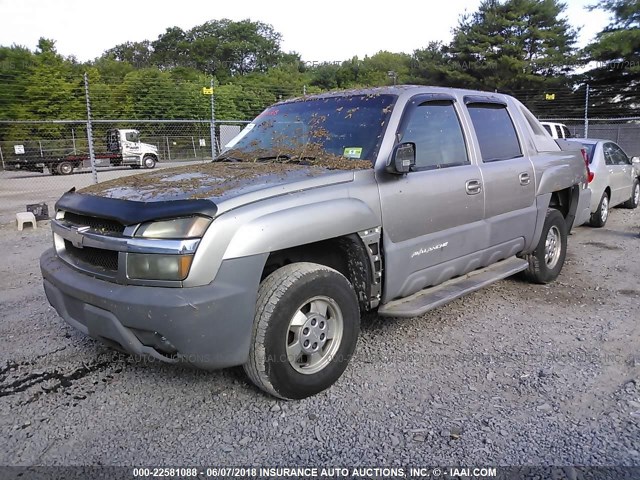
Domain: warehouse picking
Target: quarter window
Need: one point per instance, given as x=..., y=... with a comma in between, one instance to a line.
x=495, y=131
x=435, y=129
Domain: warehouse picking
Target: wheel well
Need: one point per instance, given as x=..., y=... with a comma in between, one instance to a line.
x=608, y=192
x=566, y=202
x=561, y=200
x=346, y=254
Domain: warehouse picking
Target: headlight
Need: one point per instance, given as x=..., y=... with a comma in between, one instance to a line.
x=152, y=266
x=188, y=227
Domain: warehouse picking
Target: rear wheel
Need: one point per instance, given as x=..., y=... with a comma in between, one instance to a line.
x=635, y=196
x=65, y=168
x=546, y=261
x=600, y=216
x=305, y=330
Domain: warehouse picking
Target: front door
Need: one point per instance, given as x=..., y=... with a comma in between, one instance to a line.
x=432, y=217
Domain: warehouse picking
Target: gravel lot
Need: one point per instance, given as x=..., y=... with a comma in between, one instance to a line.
x=515, y=374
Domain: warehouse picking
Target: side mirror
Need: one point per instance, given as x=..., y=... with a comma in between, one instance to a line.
x=402, y=158
x=635, y=159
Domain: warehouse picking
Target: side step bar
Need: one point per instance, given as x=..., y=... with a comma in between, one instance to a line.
x=434, y=297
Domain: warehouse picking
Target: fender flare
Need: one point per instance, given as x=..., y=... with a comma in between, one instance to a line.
x=301, y=225
x=542, y=204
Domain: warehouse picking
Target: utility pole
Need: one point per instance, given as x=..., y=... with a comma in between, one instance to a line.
x=213, y=123
x=393, y=75
x=586, y=113
x=92, y=156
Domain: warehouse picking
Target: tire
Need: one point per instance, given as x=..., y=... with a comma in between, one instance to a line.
x=149, y=162
x=601, y=215
x=64, y=168
x=281, y=360
x=546, y=261
x=635, y=196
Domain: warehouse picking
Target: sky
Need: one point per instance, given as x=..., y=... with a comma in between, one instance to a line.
x=330, y=31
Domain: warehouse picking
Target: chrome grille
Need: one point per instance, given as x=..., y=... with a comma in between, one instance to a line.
x=99, y=225
x=96, y=257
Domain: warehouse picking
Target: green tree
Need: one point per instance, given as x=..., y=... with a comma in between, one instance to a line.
x=135, y=53
x=512, y=45
x=431, y=66
x=615, y=78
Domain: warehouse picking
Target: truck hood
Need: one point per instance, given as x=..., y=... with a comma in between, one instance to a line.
x=221, y=182
x=148, y=146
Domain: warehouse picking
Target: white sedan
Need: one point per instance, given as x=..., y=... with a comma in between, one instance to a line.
x=615, y=180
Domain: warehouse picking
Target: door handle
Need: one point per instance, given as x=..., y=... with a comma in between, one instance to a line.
x=473, y=187
x=525, y=179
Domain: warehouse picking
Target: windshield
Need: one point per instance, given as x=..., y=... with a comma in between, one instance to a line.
x=341, y=126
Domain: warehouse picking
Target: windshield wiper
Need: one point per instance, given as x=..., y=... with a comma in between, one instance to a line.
x=287, y=158
x=227, y=158
x=281, y=156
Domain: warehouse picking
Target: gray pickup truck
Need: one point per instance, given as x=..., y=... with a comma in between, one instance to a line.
x=394, y=199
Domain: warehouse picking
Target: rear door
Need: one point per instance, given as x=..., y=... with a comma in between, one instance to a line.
x=507, y=173
x=432, y=216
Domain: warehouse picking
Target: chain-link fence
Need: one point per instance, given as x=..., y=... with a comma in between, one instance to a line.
x=41, y=159
x=624, y=131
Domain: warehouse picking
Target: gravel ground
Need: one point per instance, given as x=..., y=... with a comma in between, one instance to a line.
x=515, y=374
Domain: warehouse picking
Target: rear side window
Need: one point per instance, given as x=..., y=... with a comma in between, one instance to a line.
x=435, y=129
x=495, y=131
x=589, y=147
x=565, y=132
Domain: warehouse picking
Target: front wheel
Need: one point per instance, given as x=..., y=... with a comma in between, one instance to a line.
x=305, y=330
x=546, y=261
x=601, y=215
x=149, y=161
x=635, y=196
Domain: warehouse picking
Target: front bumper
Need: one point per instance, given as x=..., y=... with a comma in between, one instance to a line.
x=209, y=326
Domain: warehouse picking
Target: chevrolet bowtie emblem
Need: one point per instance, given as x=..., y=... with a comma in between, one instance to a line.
x=77, y=236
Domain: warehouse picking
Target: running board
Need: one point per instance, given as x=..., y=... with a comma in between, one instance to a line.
x=434, y=297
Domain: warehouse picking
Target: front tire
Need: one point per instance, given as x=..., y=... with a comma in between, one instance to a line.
x=601, y=215
x=149, y=162
x=546, y=261
x=635, y=196
x=305, y=330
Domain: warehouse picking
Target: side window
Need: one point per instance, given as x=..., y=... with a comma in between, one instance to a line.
x=618, y=156
x=435, y=129
x=565, y=132
x=495, y=131
x=548, y=128
x=606, y=150
x=131, y=136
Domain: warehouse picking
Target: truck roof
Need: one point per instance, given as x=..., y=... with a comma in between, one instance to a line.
x=397, y=90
